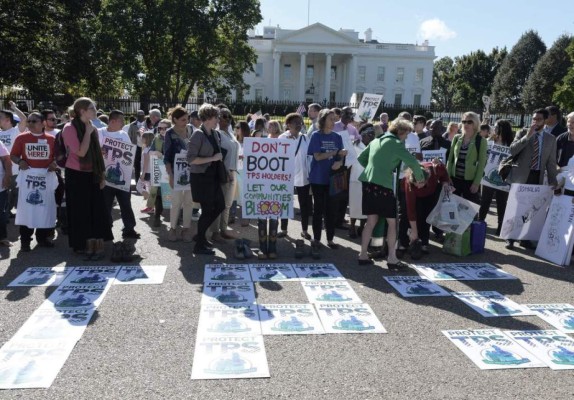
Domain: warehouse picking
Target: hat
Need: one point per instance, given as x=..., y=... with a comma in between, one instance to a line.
x=194, y=114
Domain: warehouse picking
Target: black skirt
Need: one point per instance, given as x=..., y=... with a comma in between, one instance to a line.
x=379, y=200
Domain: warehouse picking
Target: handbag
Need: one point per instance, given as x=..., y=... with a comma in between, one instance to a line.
x=221, y=172
x=339, y=180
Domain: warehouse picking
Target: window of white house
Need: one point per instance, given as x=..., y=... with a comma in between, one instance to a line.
x=417, y=100
x=333, y=73
x=400, y=74
x=332, y=96
x=380, y=74
x=286, y=94
x=419, y=75
x=362, y=73
x=398, y=99
x=287, y=72
x=310, y=74
x=259, y=94
x=259, y=70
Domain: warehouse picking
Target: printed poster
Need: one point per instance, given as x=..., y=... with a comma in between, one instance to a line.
x=166, y=195
x=492, y=304
x=560, y=316
x=289, y=319
x=495, y=154
x=273, y=272
x=314, y=272
x=75, y=296
x=552, y=347
x=181, y=172
x=159, y=173
x=368, y=107
x=349, y=318
x=228, y=320
x=32, y=363
x=226, y=272
x=55, y=324
x=330, y=292
x=415, y=286
x=441, y=272
x=430, y=155
x=526, y=211
x=231, y=293
x=557, y=238
x=140, y=275
x=491, y=349
x=41, y=276
x=8, y=137
x=96, y=275
x=225, y=357
x=119, y=162
x=268, y=169
x=483, y=271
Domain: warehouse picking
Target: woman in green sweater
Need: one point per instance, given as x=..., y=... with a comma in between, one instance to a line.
x=380, y=159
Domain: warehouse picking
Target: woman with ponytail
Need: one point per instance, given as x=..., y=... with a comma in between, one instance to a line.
x=85, y=179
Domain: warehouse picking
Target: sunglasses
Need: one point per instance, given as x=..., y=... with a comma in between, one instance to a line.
x=161, y=128
x=467, y=122
x=34, y=121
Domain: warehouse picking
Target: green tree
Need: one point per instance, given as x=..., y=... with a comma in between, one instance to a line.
x=167, y=47
x=443, y=83
x=564, y=94
x=548, y=72
x=515, y=70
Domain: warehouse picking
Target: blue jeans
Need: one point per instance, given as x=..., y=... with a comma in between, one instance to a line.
x=3, y=214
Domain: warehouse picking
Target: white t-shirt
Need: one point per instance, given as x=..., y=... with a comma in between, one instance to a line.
x=3, y=153
x=52, y=132
x=118, y=135
x=8, y=137
x=301, y=175
x=36, y=198
x=413, y=146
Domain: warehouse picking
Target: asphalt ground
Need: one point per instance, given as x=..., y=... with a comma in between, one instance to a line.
x=140, y=343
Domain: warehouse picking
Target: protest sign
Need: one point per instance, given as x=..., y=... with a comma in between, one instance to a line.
x=349, y=318
x=314, y=272
x=91, y=275
x=495, y=154
x=228, y=320
x=227, y=272
x=552, y=347
x=269, y=165
x=452, y=213
x=273, y=272
x=441, y=272
x=483, y=271
x=55, y=324
x=166, y=195
x=430, y=155
x=8, y=137
x=289, y=319
x=77, y=296
x=159, y=173
x=415, y=286
x=233, y=293
x=492, y=304
x=491, y=349
x=229, y=357
x=180, y=172
x=140, y=275
x=368, y=107
x=560, y=316
x=330, y=292
x=119, y=162
x=41, y=276
x=526, y=211
x=557, y=236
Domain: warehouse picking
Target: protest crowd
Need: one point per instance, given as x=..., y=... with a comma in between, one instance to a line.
x=387, y=184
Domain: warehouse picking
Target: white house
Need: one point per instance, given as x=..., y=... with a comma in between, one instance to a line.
x=317, y=63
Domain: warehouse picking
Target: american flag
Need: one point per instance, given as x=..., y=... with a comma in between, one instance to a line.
x=301, y=109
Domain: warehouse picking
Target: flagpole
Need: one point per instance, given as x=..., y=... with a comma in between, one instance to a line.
x=308, y=9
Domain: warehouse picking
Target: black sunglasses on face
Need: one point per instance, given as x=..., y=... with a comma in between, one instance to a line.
x=469, y=122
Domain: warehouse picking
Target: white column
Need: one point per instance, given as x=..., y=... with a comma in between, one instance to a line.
x=302, y=74
x=344, y=83
x=327, y=89
x=276, y=69
x=352, y=75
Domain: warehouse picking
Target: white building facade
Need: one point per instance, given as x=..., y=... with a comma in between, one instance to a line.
x=318, y=64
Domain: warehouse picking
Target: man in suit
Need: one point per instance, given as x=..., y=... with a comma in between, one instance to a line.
x=554, y=121
x=536, y=150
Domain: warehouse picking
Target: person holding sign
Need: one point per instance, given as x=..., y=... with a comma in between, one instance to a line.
x=208, y=172
x=85, y=180
x=327, y=150
x=380, y=159
x=154, y=200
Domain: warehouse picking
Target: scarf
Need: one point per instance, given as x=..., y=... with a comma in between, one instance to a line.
x=93, y=159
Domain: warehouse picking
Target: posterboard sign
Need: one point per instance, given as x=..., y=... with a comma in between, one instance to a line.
x=96, y=275
x=560, y=316
x=55, y=324
x=557, y=237
x=491, y=349
x=268, y=171
x=228, y=320
x=226, y=272
x=317, y=272
x=231, y=293
x=8, y=137
x=273, y=272
x=119, y=162
x=41, y=276
x=166, y=195
x=492, y=304
x=330, y=292
x=289, y=319
x=495, y=154
x=552, y=347
x=140, y=275
x=415, y=286
x=368, y=107
x=159, y=173
x=349, y=318
x=229, y=357
x=441, y=272
x=32, y=363
x=181, y=172
x=430, y=155
x=483, y=271
x=77, y=296
x=526, y=211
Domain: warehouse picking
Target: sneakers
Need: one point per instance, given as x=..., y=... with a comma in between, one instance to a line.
x=172, y=235
x=415, y=250
x=148, y=210
x=305, y=235
x=195, y=215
